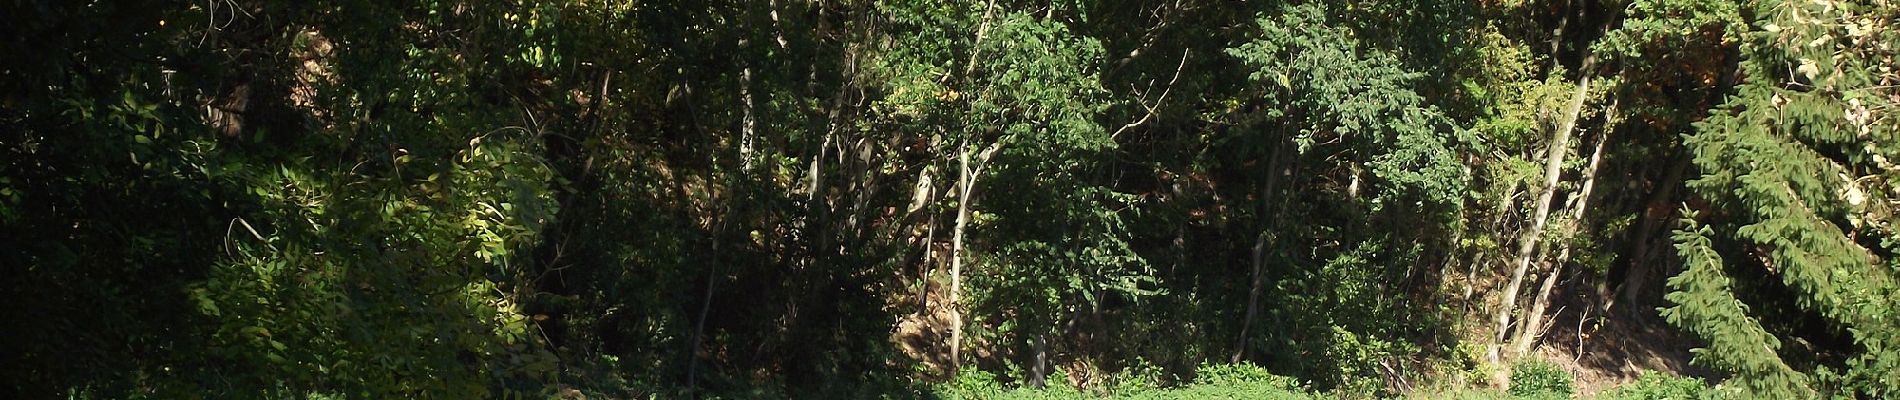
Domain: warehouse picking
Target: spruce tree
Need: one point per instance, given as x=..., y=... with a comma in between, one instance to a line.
x=1797, y=250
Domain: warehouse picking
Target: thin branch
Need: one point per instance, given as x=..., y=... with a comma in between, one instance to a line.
x=1159, y=101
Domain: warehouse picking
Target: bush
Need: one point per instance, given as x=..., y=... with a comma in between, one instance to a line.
x=1245, y=372
x=1224, y=381
x=1540, y=380
x=1461, y=394
x=1659, y=386
x=1231, y=381
x=1256, y=390
x=971, y=383
x=1142, y=376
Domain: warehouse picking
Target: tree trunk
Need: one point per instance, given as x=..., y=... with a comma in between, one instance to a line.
x=749, y=123
x=966, y=188
x=1553, y=168
x=956, y=257
x=1037, y=368
x=924, y=271
x=1529, y=325
x=699, y=325
x=966, y=180
x=1506, y=206
x=1260, y=250
x=712, y=268
x=1557, y=35
x=1657, y=214
x=1531, y=322
x=982, y=30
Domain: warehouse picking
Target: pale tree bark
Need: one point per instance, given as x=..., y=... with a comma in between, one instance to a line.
x=966, y=188
x=966, y=184
x=749, y=123
x=1557, y=35
x=778, y=31
x=1507, y=204
x=1527, y=247
x=956, y=258
x=929, y=267
x=982, y=30
x=1530, y=323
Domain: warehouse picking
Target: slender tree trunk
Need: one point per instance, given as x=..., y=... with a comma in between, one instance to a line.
x=956, y=257
x=1506, y=205
x=924, y=199
x=778, y=31
x=699, y=326
x=982, y=31
x=966, y=180
x=1531, y=322
x=1037, y=370
x=749, y=124
x=1260, y=250
x=923, y=273
x=1657, y=213
x=967, y=175
x=1529, y=325
x=1253, y=297
x=712, y=269
x=1527, y=248
x=1557, y=35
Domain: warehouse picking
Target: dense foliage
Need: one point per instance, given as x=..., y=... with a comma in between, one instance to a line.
x=944, y=198
x=1794, y=168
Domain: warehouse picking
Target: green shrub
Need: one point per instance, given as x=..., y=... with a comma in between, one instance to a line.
x=1142, y=376
x=1254, y=390
x=1540, y=380
x=1240, y=373
x=1659, y=386
x=1232, y=381
x=1461, y=394
x=971, y=383
x=1224, y=381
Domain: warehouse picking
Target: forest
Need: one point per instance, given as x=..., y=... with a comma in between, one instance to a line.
x=949, y=199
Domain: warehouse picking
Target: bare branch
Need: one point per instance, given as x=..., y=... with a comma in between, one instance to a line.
x=1150, y=114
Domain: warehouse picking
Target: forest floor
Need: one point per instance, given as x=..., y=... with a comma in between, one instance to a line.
x=1600, y=353
x=1603, y=353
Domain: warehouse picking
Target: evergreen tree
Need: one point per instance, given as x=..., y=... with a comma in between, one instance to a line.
x=1794, y=170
